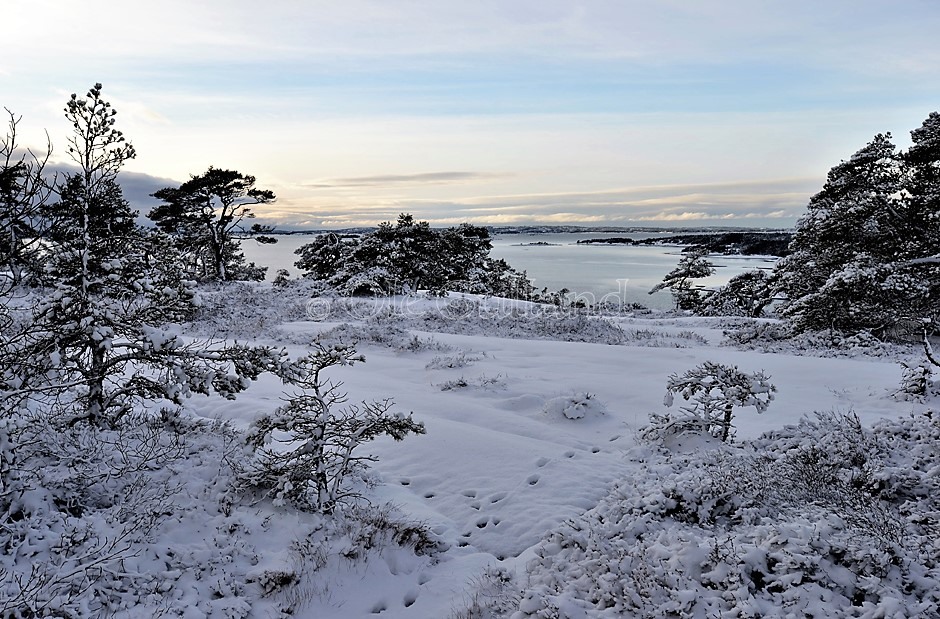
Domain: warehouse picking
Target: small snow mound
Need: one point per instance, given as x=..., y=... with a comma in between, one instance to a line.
x=577, y=406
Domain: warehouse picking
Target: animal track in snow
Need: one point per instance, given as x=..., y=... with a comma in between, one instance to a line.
x=411, y=596
x=532, y=480
x=541, y=462
x=499, y=496
x=470, y=494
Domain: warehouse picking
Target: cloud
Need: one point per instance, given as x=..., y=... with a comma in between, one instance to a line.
x=135, y=186
x=777, y=202
x=426, y=178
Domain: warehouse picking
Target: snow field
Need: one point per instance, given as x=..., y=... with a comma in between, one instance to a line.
x=502, y=464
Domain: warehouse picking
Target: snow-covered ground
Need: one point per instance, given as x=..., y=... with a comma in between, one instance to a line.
x=524, y=434
x=531, y=420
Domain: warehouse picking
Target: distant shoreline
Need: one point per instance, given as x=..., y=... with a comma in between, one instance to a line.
x=749, y=243
x=551, y=229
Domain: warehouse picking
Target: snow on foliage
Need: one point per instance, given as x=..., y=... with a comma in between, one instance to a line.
x=713, y=391
x=306, y=452
x=822, y=519
x=581, y=405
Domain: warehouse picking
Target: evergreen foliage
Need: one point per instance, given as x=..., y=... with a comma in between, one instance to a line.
x=692, y=265
x=745, y=294
x=410, y=256
x=97, y=346
x=862, y=258
x=204, y=214
x=306, y=451
x=713, y=391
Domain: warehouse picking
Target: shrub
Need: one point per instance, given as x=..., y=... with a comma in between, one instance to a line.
x=306, y=451
x=714, y=390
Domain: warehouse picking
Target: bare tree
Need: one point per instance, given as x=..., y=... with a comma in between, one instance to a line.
x=24, y=191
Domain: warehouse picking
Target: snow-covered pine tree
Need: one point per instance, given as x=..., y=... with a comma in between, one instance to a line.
x=693, y=265
x=832, y=277
x=307, y=451
x=323, y=257
x=745, y=294
x=713, y=390
x=920, y=242
x=857, y=260
x=410, y=256
x=97, y=347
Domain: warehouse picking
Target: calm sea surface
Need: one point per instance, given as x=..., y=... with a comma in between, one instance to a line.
x=589, y=270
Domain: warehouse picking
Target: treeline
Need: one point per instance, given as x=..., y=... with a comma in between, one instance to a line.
x=729, y=243
x=862, y=259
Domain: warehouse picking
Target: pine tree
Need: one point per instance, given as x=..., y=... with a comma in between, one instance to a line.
x=98, y=347
x=692, y=265
x=204, y=214
x=323, y=258
x=410, y=256
x=846, y=231
x=857, y=257
x=307, y=450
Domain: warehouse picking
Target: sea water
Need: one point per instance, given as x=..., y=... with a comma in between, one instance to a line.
x=615, y=273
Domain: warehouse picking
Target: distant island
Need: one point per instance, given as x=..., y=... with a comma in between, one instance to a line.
x=724, y=240
x=751, y=243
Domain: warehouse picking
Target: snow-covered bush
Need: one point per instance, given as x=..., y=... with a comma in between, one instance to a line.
x=493, y=594
x=916, y=382
x=449, y=362
x=79, y=504
x=713, y=391
x=823, y=519
x=482, y=382
x=576, y=406
x=305, y=452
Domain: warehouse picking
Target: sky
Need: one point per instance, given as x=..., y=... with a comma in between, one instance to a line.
x=512, y=112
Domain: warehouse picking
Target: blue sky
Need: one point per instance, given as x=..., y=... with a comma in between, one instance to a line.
x=497, y=112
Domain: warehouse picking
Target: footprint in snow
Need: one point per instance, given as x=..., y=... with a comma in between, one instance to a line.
x=499, y=496
x=541, y=462
x=532, y=480
x=411, y=596
x=470, y=494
